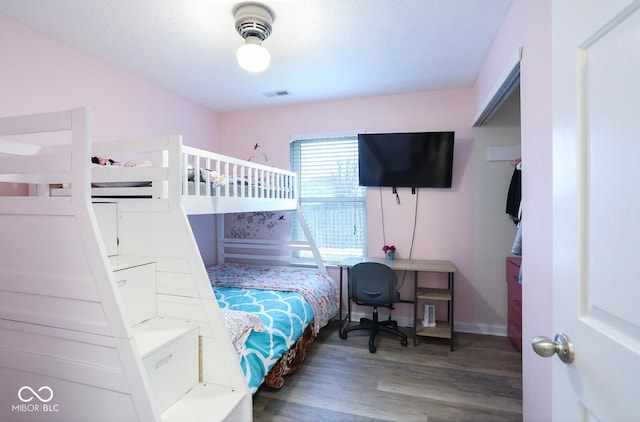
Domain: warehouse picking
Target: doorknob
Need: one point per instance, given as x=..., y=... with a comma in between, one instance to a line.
x=561, y=345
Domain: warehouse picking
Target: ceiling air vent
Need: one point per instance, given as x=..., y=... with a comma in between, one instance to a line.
x=280, y=93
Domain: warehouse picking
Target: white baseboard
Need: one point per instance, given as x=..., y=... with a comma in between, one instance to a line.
x=473, y=328
x=461, y=327
x=382, y=315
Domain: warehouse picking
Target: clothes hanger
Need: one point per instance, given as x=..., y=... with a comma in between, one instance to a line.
x=517, y=163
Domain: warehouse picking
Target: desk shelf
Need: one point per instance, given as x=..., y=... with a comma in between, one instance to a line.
x=441, y=330
x=433, y=294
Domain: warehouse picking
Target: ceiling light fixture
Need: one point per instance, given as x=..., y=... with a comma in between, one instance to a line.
x=253, y=23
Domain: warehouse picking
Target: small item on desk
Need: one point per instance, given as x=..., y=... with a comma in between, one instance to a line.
x=429, y=319
x=390, y=252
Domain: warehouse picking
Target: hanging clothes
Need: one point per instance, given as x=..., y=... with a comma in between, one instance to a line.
x=516, y=249
x=514, y=196
x=514, y=210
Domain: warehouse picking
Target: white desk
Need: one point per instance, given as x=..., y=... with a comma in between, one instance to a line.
x=444, y=329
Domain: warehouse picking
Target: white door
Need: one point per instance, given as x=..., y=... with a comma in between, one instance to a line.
x=596, y=200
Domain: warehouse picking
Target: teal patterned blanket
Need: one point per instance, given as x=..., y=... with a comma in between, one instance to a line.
x=286, y=300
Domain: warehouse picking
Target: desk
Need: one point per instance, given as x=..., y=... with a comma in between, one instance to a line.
x=444, y=329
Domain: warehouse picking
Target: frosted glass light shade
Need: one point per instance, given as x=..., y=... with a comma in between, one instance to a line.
x=253, y=57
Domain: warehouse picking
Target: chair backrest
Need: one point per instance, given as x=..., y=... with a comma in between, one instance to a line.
x=373, y=284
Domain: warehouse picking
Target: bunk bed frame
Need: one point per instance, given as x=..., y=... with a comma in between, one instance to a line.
x=70, y=249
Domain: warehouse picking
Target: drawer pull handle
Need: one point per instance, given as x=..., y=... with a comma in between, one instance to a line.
x=121, y=283
x=163, y=361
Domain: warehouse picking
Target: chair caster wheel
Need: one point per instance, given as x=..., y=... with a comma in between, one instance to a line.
x=342, y=335
x=372, y=348
x=405, y=343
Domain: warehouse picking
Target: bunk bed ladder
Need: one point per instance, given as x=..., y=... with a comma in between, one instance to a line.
x=311, y=241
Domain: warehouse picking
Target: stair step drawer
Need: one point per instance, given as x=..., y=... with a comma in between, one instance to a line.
x=173, y=369
x=137, y=287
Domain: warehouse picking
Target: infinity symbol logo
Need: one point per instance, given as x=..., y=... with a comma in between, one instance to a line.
x=34, y=394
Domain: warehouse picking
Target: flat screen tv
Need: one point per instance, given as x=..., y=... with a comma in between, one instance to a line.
x=420, y=159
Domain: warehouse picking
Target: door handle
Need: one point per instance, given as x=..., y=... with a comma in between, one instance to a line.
x=560, y=345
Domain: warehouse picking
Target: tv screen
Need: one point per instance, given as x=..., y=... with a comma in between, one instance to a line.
x=420, y=159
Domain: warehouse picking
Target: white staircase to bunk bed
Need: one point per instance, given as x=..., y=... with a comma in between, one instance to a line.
x=104, y=299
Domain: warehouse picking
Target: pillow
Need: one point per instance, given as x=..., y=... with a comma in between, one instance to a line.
x=239, y=325
x=190, y=174
x=214, y=177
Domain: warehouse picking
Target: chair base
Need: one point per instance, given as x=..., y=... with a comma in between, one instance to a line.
x=374, y=326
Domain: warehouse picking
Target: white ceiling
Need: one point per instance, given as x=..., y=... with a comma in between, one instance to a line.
x=320, y=49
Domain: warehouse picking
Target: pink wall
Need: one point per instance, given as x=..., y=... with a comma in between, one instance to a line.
x=528, y=24
x=444, y=224
x=39, y=74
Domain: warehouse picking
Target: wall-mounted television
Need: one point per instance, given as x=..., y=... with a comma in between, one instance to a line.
x=418, y=159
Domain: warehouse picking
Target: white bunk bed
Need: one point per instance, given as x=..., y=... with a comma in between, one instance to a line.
x=104, y=299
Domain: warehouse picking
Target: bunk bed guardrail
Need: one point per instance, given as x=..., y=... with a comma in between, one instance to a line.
x=243, y=184
x=31, y=167
x=162, y=168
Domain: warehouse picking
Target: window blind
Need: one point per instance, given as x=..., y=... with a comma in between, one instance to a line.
x=333, y=204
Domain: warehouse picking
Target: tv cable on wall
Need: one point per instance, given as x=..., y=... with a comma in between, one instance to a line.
x=413, y=232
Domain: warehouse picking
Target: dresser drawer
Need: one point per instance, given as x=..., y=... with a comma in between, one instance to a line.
x=137, y=287
x=514, y=315
x=513, y=271
x=173, y=369
x=514, y=297
x=514, y=334
x=514, y=302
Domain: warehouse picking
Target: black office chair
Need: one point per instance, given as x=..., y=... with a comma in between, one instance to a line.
x=373, y=284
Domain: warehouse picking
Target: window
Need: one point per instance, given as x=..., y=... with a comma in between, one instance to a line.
x=333, y=204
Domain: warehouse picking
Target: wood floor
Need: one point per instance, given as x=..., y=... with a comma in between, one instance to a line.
x=341, y=381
